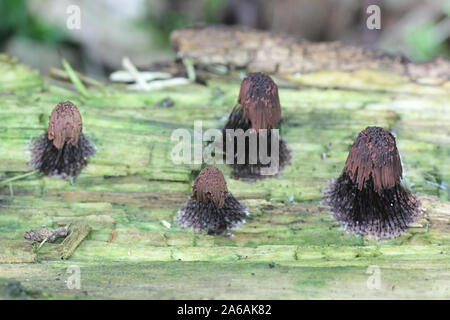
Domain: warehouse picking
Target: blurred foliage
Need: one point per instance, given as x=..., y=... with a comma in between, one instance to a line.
x=424, y=43
x=213, y=10
x=420, y=42
x=173, y=19
x=16, y=21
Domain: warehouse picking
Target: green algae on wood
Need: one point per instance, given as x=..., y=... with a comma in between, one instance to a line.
x=131, y=187
x=16, y=251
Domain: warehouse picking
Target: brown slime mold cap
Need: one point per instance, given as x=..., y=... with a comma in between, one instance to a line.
x=65, y=125
x=210, y=186
x=375, y=154
x=259, y=99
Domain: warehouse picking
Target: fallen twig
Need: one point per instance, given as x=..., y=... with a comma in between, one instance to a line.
x=78, y=232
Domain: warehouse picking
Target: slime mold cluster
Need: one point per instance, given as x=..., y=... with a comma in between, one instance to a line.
x=211, y=207
x=258, y=108
x=368, y=198
x=63, y=149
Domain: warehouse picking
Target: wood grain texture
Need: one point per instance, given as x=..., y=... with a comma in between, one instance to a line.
x=290, y=246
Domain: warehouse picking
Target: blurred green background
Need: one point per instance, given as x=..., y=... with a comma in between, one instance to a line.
x=36, y=32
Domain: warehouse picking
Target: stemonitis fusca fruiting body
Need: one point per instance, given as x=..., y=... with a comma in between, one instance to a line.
x=211, y=207
x=260, y=102
x=258, y=110
x=368, y=198
x=63, y=149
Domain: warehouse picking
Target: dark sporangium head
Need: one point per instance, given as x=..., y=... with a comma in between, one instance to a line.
x=374, y=155
x=63, y=150
x=210, y=187
x=65, y=125
x=259, y=99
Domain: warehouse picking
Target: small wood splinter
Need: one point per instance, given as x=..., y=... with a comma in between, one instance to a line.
x=258, y=108
x=48, y=234
x=63, y=150
x=211, y=207
x=368, y=198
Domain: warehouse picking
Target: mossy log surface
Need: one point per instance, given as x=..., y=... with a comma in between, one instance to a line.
x=290, y=247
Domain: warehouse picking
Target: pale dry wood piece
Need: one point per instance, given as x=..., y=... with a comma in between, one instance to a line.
x=78, y=232
x=283, y=54
x=374, y=154
x=51, y=234
x=65, y=125
x=259, y=98
x=210, y=186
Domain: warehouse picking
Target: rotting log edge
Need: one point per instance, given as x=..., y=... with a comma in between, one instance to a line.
x=278, y=53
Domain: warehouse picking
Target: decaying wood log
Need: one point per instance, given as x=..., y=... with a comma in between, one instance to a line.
x=122, y=206
x=283, y=54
